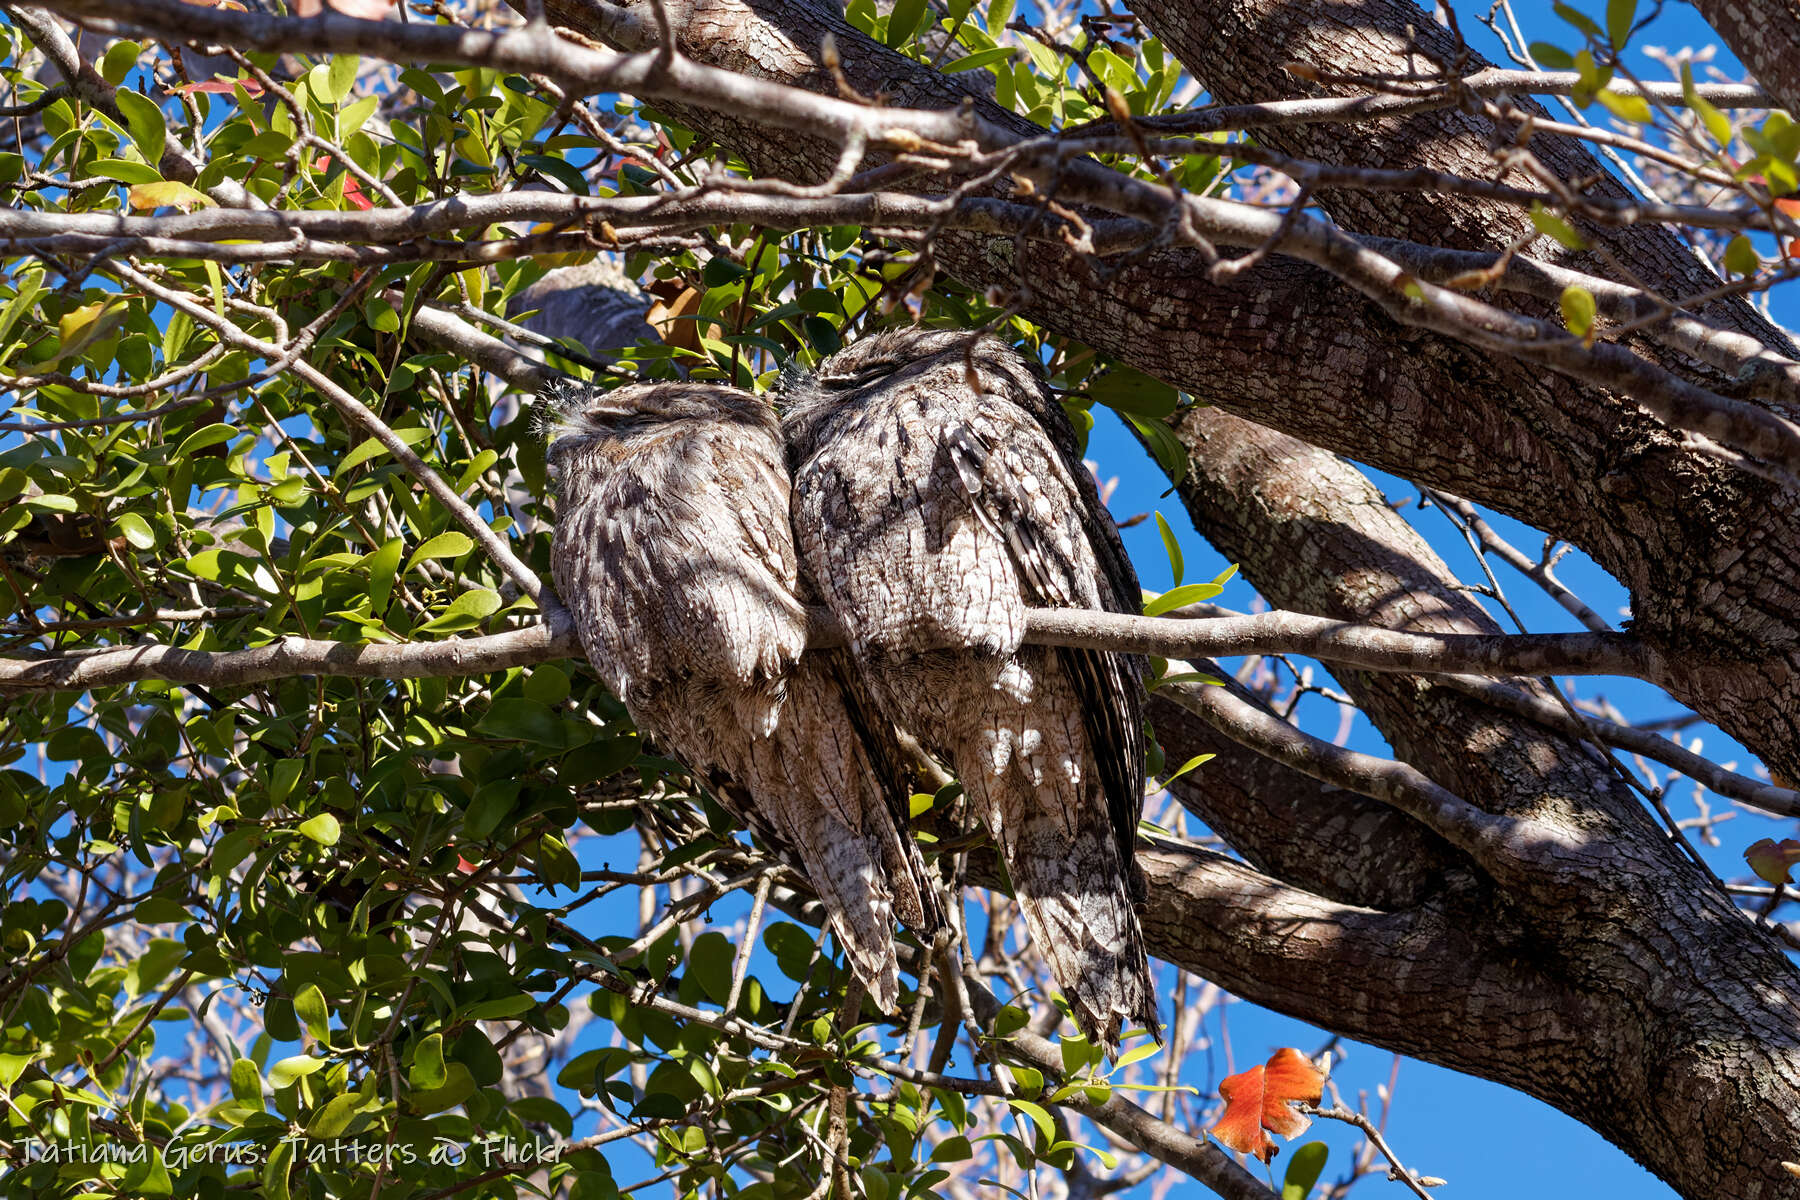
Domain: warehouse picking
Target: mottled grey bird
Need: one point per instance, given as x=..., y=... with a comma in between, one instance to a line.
x=938, y=495
x=674, y=555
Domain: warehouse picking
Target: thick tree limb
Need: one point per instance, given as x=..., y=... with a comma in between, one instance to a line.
x=1313, y=835
x=1765, y=35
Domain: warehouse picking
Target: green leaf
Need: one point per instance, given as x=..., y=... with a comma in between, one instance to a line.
x=382, y=564
x=903, y=21
x=363, y=451
x=1127, y=391
x=136, y=530
x=200, y=439
x=246, y=1082
x=556, y=863
x=88, y=324
x=125, y=170
x=1741, y=257
x=309, y=1006
x=1552, y=56
x=169, y=193
x=1635, y=109
x=144, y=122
x=354, y=116
x=426, y=1071
x=953, y=1149
x=1578, y=310
x=1717, y=123
x=158, y=959
x=118, y=60
x=978, y=60
x=275, y=1172
x=1181, y=597
x=1303, y=1170
x=710, y=962
x=323, y=829
x=1579, y=20
x=333, y=1117
x=1620, y=14
x=1551, y=225
x=1163, y=445
x=1187, y=766
x=285, y=1072
x=1172, y=546
x=380, y=314
x=284, y=776
x=465, y=612
x=1039, y=1117
x=517, y=719
x=30, y=284
x=340, y=77
x=451, y=544
x=492, y=802
x=1143, y=1049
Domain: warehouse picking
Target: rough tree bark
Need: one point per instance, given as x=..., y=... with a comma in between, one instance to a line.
x=1591, y=962
x=1766, y=37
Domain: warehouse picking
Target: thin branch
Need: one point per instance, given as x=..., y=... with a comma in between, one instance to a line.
x=1365, y=646
x=1503, y=844
x=1753, y=792
x=1370, y=647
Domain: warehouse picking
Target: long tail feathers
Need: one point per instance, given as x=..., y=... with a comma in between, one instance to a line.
x=1077, y=905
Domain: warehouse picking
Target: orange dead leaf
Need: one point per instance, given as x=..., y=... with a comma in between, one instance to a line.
x=1790, y=206
x=1260, y=1101
x=674, y=323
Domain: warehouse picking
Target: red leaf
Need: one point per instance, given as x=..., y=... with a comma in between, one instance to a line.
x=352, y=185
x=1263, y=1097
x=219, y=84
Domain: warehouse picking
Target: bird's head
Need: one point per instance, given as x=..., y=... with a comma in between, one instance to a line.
x=946, y=359
x=579, y=414
x=877, y=358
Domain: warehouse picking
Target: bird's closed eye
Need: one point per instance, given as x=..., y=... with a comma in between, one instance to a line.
x=861, y=379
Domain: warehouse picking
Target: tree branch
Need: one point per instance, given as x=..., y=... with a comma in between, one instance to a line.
x=1674, y=400
x=1266, y=633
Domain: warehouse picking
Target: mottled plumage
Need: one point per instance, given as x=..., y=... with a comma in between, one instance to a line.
x=674, y=554
x=938, y=495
